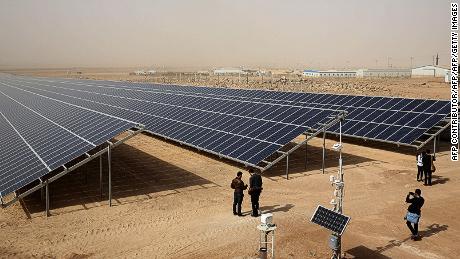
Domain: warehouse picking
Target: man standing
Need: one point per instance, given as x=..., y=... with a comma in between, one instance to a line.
x=419, y=158
x=427, y=161
x=255, y=188
x=239, y=186
x=415, y=207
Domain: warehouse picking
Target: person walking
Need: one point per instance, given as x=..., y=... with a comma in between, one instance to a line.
x=419, y=159
x=414, y=211
x=255, y=188
x=427, y=161
x=239, y=186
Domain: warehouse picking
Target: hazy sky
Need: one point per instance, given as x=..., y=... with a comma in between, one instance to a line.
x=283, y=33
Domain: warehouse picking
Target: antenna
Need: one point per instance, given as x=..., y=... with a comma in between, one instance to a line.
x=437, y=59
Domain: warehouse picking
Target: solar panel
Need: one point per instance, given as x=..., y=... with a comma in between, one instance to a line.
x=40, y=134
x=388, y=111
x=329, y=219
x=189, y=119
x=220, y=120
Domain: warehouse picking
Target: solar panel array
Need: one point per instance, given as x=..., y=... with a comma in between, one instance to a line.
x=389, y=119
x=242, y=125
x=39, y=134
x=242, y=130
x=330, y=219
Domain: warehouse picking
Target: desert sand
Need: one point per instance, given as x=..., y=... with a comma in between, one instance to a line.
x=175, y=202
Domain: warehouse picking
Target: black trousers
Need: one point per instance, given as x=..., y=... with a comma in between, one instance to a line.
x=420, y=173
x=237, y=201
x=413, y=230
x=427, y=172
x=255, y=203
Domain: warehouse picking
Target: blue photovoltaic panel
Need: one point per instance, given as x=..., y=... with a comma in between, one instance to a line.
x=243, y=125
x=19, y=163
x=40, y=134
x=219, y=125
x=391, y=112
x=330, y=219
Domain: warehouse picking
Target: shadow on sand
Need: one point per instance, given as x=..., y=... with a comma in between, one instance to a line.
x=276, y=208
x=135, y=174
x=437, y=179
x=296, y=160
x=314, y=161
x=365, y=252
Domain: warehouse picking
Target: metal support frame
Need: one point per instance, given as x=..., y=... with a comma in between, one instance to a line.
x=327, y=125
x=324, y=150
x=434, y=145
x=287, y=167
x=66, y=170
x=42, y=191
x=100, y=175
x=47, y=210
x=306, y=148
x=109, y=157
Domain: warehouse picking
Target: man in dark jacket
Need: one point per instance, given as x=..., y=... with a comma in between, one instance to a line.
x=255, y=188
x=427, y=164
x=416, y=203
x=239, y=186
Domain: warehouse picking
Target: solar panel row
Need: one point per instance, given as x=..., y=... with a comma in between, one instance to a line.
x=241, y=130
x=40, y=135
x=398, y=120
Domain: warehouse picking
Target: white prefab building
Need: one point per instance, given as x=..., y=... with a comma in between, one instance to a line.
x=310, y=73
x=387, y=72
x=429, y=71
x=335, y=73
x=140, y=72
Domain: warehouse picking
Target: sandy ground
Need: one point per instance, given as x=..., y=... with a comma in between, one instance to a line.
x=174, y=202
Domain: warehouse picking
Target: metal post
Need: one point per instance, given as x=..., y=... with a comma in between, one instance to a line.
x=338, y=252
x=434, y=145
x=86, y=174
x=287, y=166
x=306, y=145
x=47, y=199
x=110, y=174
x=324, y=149
x=100, y=175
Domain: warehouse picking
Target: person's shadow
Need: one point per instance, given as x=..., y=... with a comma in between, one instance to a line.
x=365, y=252
x=276, y=208
x=437, y=179
x=432, y=229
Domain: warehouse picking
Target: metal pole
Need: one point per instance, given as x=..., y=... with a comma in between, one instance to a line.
x=306, y=145
x=42, y=194
x=86, y=174
x=100, y=175
x=287, y=166
x=434, y=145
x=340, y=202
x=324, y=149
x=47, y=199
x=110, y=174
